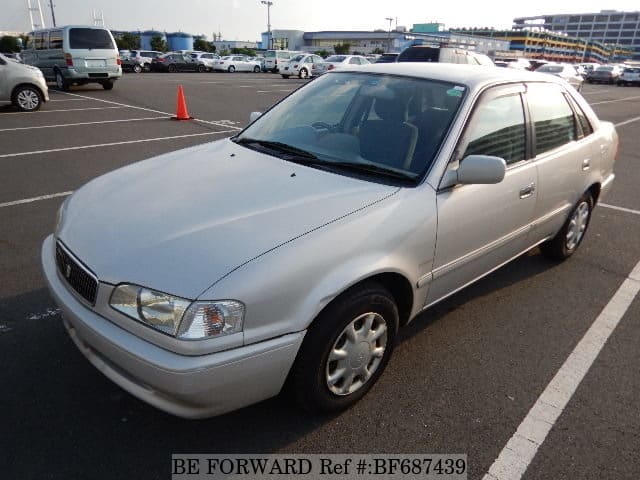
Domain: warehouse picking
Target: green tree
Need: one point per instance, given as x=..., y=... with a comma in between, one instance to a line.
x=128, y=41
x=202, y=45
x=323, y=53
x=243, y=51
x=9, y=44
x=342, y=48
x=378, y=51
x=158, y=43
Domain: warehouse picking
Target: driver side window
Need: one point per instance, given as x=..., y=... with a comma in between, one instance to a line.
x=497, y=128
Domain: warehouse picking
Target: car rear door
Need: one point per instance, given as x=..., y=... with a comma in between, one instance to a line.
x=480, y=227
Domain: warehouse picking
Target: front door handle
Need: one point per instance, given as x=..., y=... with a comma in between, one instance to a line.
x=526, y=192
x=586, y=164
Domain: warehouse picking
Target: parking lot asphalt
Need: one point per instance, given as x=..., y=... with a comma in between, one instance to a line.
x=463, y=376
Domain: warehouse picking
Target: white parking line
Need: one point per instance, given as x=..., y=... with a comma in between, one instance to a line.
x=631, y=120
x=81, y=123
x=100, y=145
x=67, y=100
x=620, y=209
x=35, y=199
x=618, y=100
x=596, y=93
x=124, y=105
x=517, y=455
x=67, y=110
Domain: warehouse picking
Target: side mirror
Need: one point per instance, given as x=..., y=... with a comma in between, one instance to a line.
x=254, y=116
x=479, y=169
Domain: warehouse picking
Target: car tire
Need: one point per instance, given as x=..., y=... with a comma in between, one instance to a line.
x=137, y=68
x=201, y=68
x=303, y=73
x=27, y=98
x=231, y=69
x=570, y=236
x=256, y=69
x=172, y=69
x=108, y=84
x=61, y=82
x=360, y=324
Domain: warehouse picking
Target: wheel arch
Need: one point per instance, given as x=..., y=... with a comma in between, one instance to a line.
x=27, y=84
x=594, y=190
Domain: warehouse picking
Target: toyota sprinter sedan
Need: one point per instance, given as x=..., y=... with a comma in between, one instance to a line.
x=210, y=278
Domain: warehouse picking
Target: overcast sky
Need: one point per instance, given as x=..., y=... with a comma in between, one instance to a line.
x=245, y=19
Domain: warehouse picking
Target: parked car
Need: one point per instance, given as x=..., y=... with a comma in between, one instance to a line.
x=629, y=76
x=299, y=247
x=277, y=59
x=22, y=85
x=139, y=61
x=74, y=55
x=566, y=71
x=387, y=58
x=431, y=53
x=337, y=62
x=236, y=63
x=303, y=65
x=604, y=74
x=174, y=62
x=205, y=60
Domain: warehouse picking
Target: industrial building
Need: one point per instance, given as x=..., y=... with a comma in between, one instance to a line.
x=606, y=27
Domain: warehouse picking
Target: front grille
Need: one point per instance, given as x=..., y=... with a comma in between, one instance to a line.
x=76, y=275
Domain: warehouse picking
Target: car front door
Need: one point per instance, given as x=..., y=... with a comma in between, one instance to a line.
x=4, y=81
x=482, y=226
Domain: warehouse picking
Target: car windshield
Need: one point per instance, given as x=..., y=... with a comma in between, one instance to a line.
x=335, y=58
x=382, y=127
x=551, y=68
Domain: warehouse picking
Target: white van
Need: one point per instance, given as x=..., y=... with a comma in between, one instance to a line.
x=276, y=60
x=74, y=55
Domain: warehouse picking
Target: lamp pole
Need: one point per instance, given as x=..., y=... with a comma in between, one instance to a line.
x=389, y=19
x=268, y=3
x=53, y=13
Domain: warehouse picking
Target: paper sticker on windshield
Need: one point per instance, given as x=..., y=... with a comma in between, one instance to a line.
x=454, y=92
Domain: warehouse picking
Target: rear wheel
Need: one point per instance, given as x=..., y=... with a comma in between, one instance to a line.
x=137, y=68
x=26, y=98
x=172, y=69
x=61, y=82
x=303, y=73
x=231, y=69
x=201, y=68
x=568, y=239
x=345, y=350
x=256, y=69
x=108, y=84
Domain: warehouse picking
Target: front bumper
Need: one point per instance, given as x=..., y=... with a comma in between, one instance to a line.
x=186, y=386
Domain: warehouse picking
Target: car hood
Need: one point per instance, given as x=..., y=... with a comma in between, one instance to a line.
x=180, y=222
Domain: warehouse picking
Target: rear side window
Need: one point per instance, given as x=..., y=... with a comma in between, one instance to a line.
x=89, y=39
x=552, y=117
x=41, y=40
x=55, y=39
x=583, y=121
x=498, y=129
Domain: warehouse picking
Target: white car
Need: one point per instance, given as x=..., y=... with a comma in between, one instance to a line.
x=236, y=63
x=302, y=65
x=629, y=76
x=336, y=62
x=22, y=85
x=566, y=71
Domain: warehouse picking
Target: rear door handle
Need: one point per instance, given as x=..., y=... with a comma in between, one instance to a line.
x=526, y=192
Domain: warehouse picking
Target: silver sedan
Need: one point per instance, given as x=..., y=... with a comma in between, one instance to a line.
x=292, y=253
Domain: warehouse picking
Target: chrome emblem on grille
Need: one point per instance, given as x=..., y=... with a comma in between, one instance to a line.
x=67, y=271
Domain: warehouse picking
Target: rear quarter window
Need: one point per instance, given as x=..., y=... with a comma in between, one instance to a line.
x=90, y=39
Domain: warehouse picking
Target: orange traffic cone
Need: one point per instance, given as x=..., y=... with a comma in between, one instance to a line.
x=181, y=108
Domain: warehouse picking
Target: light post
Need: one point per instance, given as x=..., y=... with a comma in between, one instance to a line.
x=268, y=3
x=389, y=34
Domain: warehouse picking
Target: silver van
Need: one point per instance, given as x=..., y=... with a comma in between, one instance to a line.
x=74, y=55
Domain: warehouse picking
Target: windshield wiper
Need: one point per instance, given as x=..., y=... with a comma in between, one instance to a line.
x=279, y=147
x=371, y=168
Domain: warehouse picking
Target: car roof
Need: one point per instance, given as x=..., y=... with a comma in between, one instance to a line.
x=471, y=75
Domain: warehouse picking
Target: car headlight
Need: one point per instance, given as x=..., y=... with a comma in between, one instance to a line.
x=178, y=317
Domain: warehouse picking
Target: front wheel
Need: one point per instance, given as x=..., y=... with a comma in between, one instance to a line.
x=27, y=98
x=345, y=350
x=256, y=69
x=568, y=239
x=172, y=69
x=231, y=69
x=201, y=68
x=137, y=68
x=303, y=73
